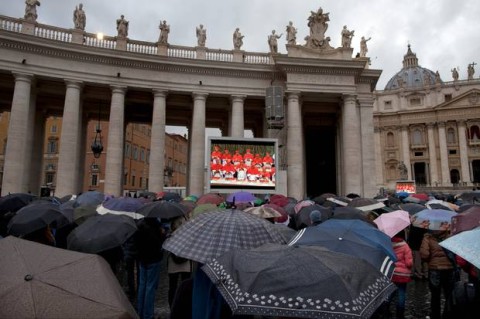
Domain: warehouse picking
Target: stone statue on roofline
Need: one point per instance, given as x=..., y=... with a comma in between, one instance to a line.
x=201, y=36
x=455, y=74
x=164, y=31
x=79, y=17
x=122, y=27
x=31, y=10
x=291, y=34
x=237, y=39
x=318, y=24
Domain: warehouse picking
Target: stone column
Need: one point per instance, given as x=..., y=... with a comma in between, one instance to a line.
x=69, y=152
x=442, y=141
x=351, y=146
x=196, y=177
x=16, y=168
x=116, y=137
x=157, y=142
x=295, y=151
x=379, y=165
x=237, y=117
x=369, y=188
x=462, y=143
x=406, y=151
x=432, y=153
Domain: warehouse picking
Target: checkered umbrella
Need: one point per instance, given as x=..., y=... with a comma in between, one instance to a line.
x=212, y=233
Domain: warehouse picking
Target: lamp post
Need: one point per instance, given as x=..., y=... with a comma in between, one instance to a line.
x=97, y=146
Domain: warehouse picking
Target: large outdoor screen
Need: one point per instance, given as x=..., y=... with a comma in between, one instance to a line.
x=242, y=164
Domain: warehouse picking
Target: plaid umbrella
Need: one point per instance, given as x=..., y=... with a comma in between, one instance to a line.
x=302, y=282
x=212, y=233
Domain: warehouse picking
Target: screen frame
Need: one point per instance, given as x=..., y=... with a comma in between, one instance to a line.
x=271, y=142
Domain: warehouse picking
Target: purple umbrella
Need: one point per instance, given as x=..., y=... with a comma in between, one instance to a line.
x=241, y=197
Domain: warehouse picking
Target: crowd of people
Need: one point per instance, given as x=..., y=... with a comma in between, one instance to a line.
x=137, y=262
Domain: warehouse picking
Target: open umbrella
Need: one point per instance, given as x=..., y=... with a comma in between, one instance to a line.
x=39, y=281
x=440, y=204
x=393, y=222
x=467, y=220
x=411, y=208
x=82, y=213
x=211, y=198
x=466, y=245
x=349, y=213
x=263, y=212
x=302, y=282
x=471, y=197
x=13, y=202
x=365, y=204
x=90, y=198
x=303, y=203
x=302, y=218
x=122, y=206
x=279, y=199
x=169, y=196
x=433, y=219
x=352, y=237
x=202, y=208
x=162, y=209
x=36, y=216
x=102, y=232
x=241, y=197
x=212, y=233
x=284, y=215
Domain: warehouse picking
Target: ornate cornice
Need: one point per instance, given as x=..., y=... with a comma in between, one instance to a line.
x=110, y=57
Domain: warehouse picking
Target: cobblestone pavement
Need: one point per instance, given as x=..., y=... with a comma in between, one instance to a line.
x=417, y=303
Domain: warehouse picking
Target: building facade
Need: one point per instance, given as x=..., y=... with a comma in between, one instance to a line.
x=429, y=125
x=325, y=133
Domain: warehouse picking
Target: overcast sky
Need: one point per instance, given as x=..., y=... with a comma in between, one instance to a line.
x=443, y=33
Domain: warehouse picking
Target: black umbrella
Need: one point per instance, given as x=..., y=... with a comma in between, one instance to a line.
x=13, y=202
x=102, y=232
x=298, y=281
x=411, y=208
x=162, y=209
x=36, y=216
x=302, y=218
x=82, y=213
x=349, y=213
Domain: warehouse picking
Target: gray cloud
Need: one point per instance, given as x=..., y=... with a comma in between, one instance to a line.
x=443, y=33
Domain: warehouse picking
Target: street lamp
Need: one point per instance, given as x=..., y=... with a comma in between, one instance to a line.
x=97, y=146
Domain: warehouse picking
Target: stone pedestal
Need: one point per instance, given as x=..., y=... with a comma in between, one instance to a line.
x=238, y=56
x=201, y=53
x=77, y=36
x=121, y=44
x=162, y=49
x=28, y=27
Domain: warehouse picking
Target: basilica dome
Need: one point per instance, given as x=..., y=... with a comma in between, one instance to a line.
x=412, y=75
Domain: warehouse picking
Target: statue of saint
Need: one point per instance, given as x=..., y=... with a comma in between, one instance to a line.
x=400, y=81
x=471, y=70
x=347, y=36
x=201, y=36
x=122, y=27
x=291, y=34
x=164, y=31
x=317, y=22
x=403, y=171
x=237, y=39
x=363, y=46
x=455, y=74
x=437, y=77
x=79, y=17
x=31, y=10
x=272, y=41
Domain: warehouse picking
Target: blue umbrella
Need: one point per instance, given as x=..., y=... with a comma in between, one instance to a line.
x=353, y=237
x=122, y=206
x=466, y=245
x=433, y=219
x=90, y=198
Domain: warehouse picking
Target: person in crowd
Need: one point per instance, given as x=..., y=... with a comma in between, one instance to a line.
x=415, y=237
x=43, y=235
x=178, y=268
x=440, y=272
x=131, y=266
x=466, y=295
x=149, y=239
x=402, y=274
x=315, y=218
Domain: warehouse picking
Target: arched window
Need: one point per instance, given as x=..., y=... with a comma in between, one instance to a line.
x=417, y=137
x=390, y=139
x=451, y=136
x=474, y=133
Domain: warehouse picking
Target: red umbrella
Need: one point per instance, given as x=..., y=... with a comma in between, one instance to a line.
x=279, y=209
x=421, y=196
x=467, y=220
x=211, y=198
x=279, y=200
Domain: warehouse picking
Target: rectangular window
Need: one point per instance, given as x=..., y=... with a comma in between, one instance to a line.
x=388, y=105
x=448, y=97
x=418, y=153
x=49, y=177
x=415, y=101
x=141, y=182
x=94, y=181
x=133, y=180
x=452, y=152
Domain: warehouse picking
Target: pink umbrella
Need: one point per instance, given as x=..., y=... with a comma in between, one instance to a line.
x=393, y=222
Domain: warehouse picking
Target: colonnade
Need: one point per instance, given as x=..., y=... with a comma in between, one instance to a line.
x=354, y=142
